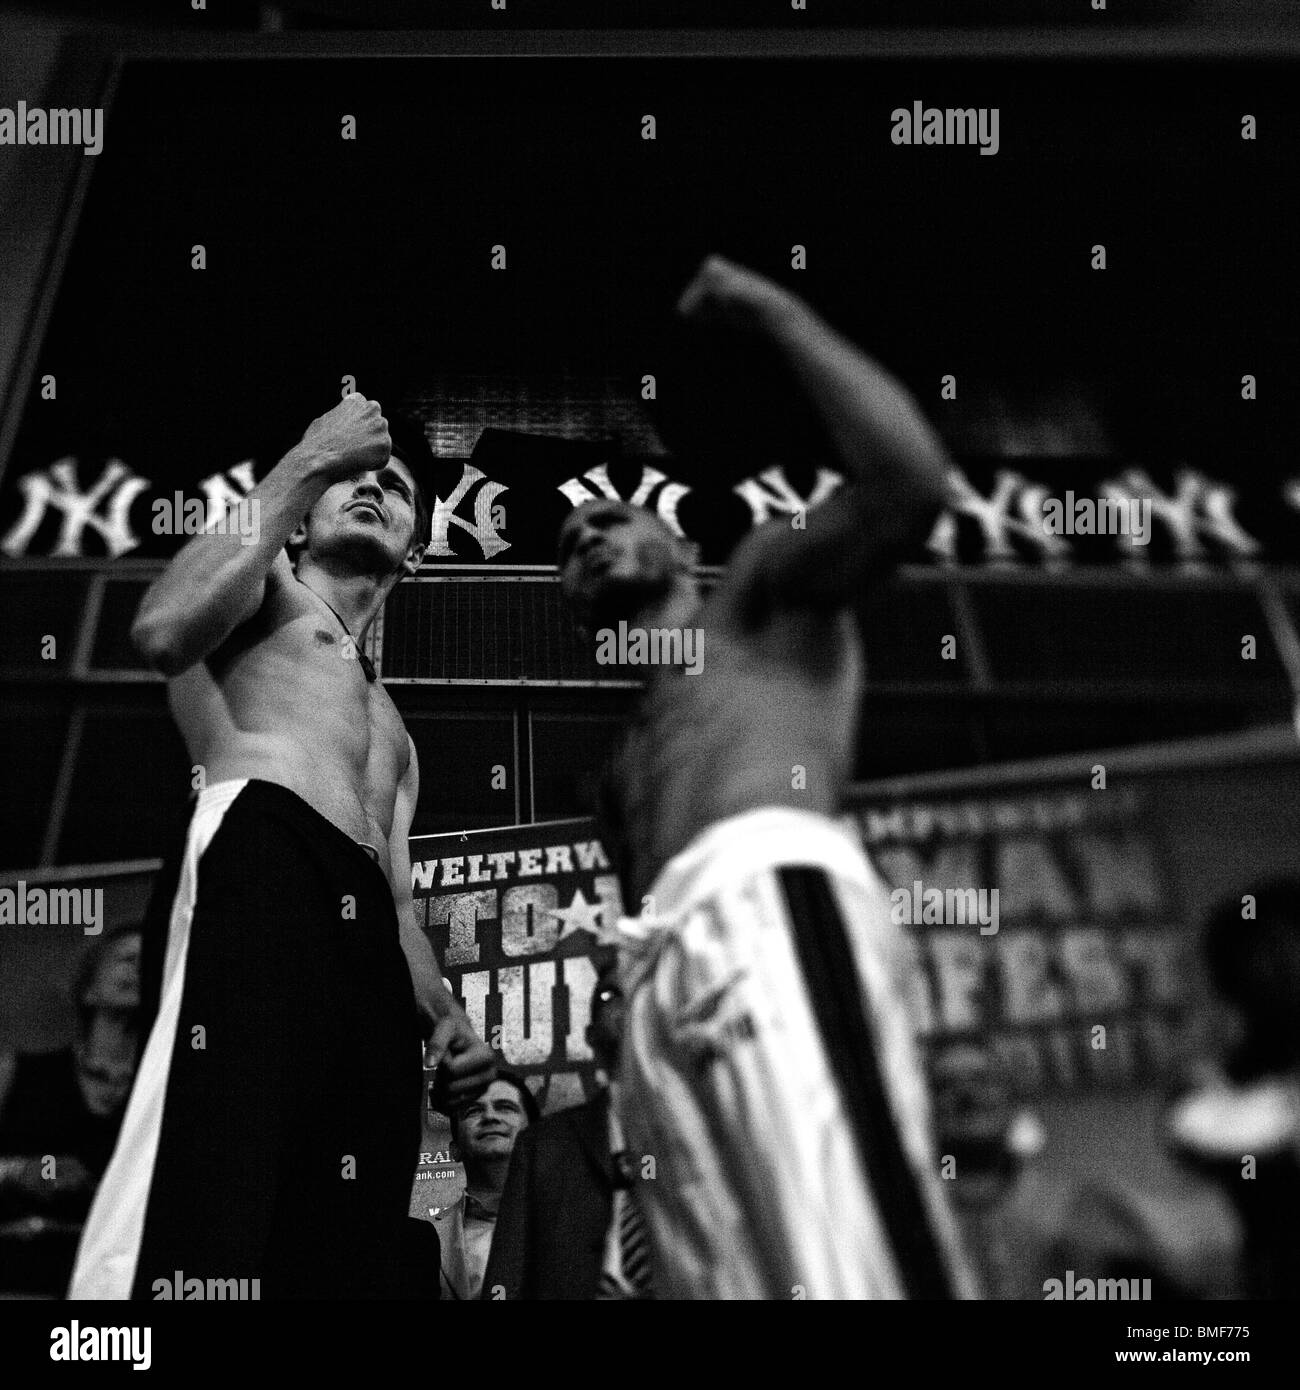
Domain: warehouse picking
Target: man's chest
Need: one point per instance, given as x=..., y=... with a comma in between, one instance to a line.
x=779, y=686
x=389, y=748
x=305, y=664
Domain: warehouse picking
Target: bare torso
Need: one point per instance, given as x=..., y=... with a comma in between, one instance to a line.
x=280, y=701
x=733, y=738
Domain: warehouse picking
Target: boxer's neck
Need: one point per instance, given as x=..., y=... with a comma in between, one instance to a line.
x=679, y=607
x=355, y=598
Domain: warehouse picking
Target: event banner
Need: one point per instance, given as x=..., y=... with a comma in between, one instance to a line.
x=517, y=917
x=1043, y=922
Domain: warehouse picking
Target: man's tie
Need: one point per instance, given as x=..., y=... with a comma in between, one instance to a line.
x=634, y=1245
x=633, y=1242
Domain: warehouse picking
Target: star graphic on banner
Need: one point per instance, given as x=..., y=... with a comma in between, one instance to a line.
x=580, y=915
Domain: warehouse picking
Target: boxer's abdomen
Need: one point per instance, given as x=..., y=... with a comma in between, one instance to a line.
x=751, y=730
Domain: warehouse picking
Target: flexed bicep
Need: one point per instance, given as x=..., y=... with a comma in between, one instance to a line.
x=894, y=466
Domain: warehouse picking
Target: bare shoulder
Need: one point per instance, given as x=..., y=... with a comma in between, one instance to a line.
x=284, y=601
x=742, y=597
x=756, y=586
x=282, y=587
x=768, y=621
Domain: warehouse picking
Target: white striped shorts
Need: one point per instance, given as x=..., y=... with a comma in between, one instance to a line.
x=769, y=1071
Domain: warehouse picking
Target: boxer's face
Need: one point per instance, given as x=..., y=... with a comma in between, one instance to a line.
x=488, y=1127
x=614, y=556
x=369, y=521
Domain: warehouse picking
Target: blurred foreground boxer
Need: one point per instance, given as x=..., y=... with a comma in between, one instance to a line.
x=768, y=1064
x=275, y=1121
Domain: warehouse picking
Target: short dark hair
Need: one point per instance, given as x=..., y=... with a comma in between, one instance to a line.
x=511, y=1078
x=411, y=445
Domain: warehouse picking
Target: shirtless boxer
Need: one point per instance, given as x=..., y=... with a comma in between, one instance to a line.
x=275, y=1121
x=768, y=1064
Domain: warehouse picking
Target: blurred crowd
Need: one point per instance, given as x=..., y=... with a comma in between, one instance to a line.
x=549, y=1205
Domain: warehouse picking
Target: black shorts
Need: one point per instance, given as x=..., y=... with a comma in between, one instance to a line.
x=274, y=1127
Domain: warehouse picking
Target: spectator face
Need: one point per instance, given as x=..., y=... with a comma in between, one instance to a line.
x=488, y=1127
x=106, y=1048
x=972, y=1098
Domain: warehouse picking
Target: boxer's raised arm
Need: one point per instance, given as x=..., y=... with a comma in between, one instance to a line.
x=218, y=580
x=894, y=464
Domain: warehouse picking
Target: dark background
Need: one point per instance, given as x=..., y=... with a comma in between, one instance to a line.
x=328, y=256
x=372, y=257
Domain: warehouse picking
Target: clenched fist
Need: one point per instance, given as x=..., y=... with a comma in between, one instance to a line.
x=723, y=292
x=350, y=439
x=464, y=1065
x=726, y=395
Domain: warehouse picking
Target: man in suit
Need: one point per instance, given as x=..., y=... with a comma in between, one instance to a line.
x=569, y=1226
x=485, y=1131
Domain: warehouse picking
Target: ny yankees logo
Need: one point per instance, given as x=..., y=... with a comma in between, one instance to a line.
x=104, y=506
x=484, y=526
x=670, y=493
